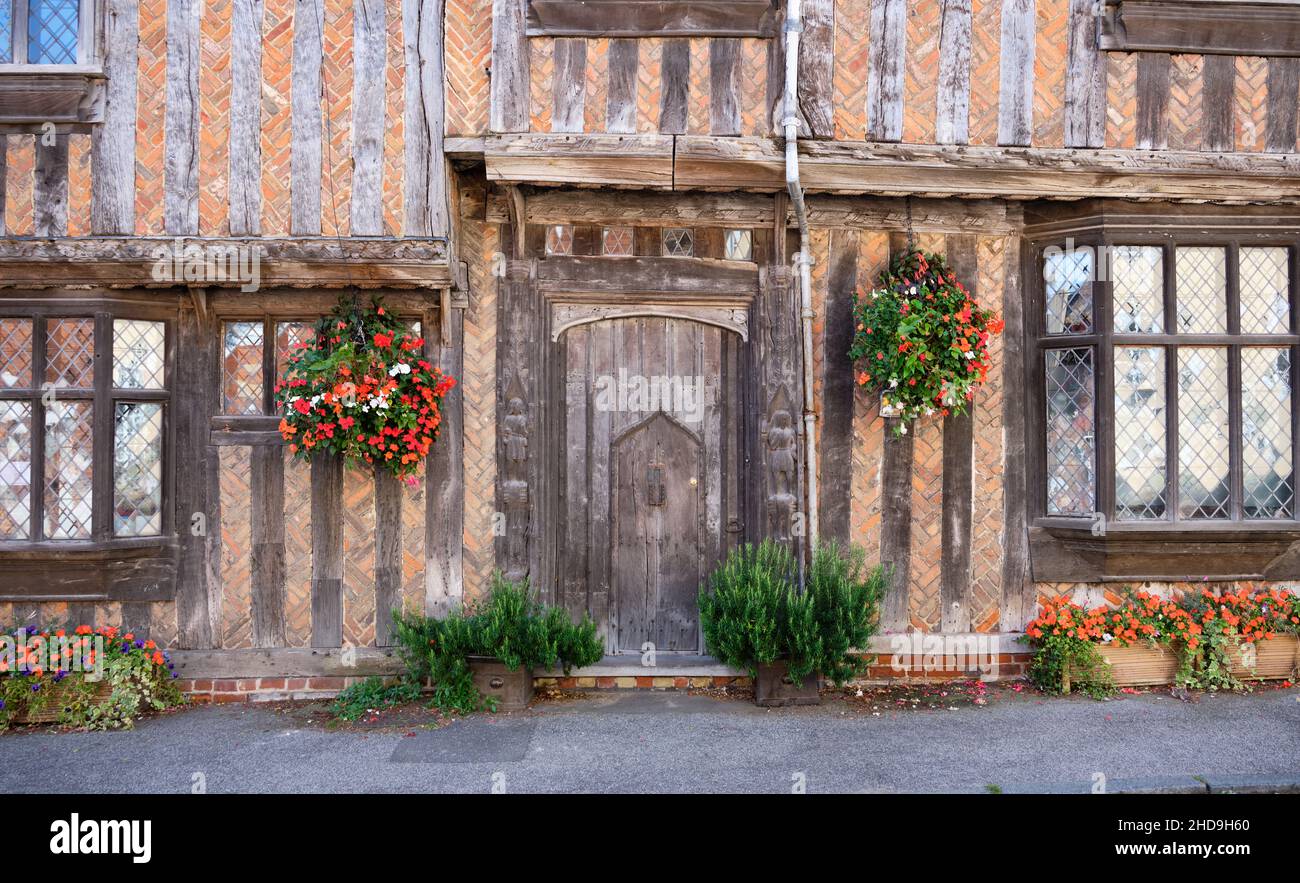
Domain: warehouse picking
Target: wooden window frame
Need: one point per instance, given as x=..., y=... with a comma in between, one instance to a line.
x=652, y=18
x=104, y=398
x=1070, y=549
x=32, y=94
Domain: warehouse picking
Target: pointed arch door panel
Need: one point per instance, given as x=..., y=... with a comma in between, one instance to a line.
x=649, y=446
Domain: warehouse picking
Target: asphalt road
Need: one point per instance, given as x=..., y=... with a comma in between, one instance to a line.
x=638, y=741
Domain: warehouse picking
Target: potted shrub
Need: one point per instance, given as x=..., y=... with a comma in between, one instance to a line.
x=483, y=656
x=755, y=617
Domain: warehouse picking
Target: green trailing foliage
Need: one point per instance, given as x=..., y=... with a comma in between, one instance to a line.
x=753, y=612
x=509, y=625
x=372, y=694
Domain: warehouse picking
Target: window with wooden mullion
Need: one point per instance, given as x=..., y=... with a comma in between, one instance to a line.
x=46, y=32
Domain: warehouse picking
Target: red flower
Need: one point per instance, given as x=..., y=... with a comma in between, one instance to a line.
x=383, y=340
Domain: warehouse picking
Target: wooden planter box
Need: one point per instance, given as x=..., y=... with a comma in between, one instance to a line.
x=774, y=687
x=512, y=690
x=1275, y=659
x=1137, y=666
x=52, y=707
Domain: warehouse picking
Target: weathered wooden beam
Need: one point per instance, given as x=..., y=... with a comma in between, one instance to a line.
x=266, y=486
x=245, y=186
x=896, y=509
x=885, y=57
x=4, y=178
x=623, y=160
x=305, y=120
x=620, y=99
x=286, y=662
x=674, y=87
x=952, y=103
x=816, y=68
x=1283, y=95
x=50, y=187
x=388, y=553
x=426, y=199
x=181, y=120
x=509, y=101
x=1262, y=28
x=112, y=142
x=1085, y=79
x=1017, y=601
x=569, y=85
x=1016, y=87
x=638, y=18
x=958, y=475
x=444, y=514
x=646, y=275
x=153, y=262
x=369, y=55
x=1152, y=100
x=724, y=98
x=327, y=551
x=1218, y=103
x=836, y=424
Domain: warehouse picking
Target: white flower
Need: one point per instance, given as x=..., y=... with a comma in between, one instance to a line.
x=929, y=411
x=1107, y=638
x=399, y=368
x=893, y=382
x=903, y=429
x=968, y=354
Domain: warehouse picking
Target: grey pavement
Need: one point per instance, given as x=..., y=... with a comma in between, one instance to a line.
x=635, y=741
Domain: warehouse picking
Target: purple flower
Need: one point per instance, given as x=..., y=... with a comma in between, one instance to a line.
x=2, y=704
x=139, y=645
x=36, y=688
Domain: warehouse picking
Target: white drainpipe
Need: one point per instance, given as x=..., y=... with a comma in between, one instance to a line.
x=803, y=260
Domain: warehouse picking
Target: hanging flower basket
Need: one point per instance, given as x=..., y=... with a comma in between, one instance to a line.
x=361, y=388
x=921, y=340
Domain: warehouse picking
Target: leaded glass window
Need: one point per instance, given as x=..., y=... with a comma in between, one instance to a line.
x=61, y=479
x=1193, y=415
x=45, y=31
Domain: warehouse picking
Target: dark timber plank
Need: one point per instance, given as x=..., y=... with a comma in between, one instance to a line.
x=4, y=175
x=444, y=513
x=181, y=120
x=267, y=528
x=816, y=68
x=1217, y=102
x=1283, y=93
x=137, y=618
x=837, y=390
x=1152, y=100
x=327, y=551
x=388, y=553
x=635, y=18
x=675, y=70
x=369, y=56
x=724, y=102
x=620, y=102
x=1017, y=587
x=1085, y=79
x=896, y=510
x=958, y=475
x=50, y=189
x=426, y=200
x=246, y=117
x=885, y=58
x=1016, y=89
x=509, y=83
x=570, y=85
x=198, y=501
x=112, y=142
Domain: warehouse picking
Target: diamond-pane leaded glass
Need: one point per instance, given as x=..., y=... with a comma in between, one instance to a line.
x=1137, y=276
x=289, y=338
x=137, y=469
x=1268, y=488
x=739, y=245
x=15, y=352
x=1070, y=432
x=70, y=353
x=1068, y=277
x=616, y=241
x=559, y=239
x=1201, y=290
x=15, y=470
x=679, y=242
x=138, y=354
x=52, y=31
x=1203, y=460
x=69, y=442
x=242, y=368
x=1141, y=407
x=6, y=33
x=1264, y=281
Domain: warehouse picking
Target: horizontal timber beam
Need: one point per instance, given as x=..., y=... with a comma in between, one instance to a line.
x=687, y=162
x=287, y=662
x=299, y=262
